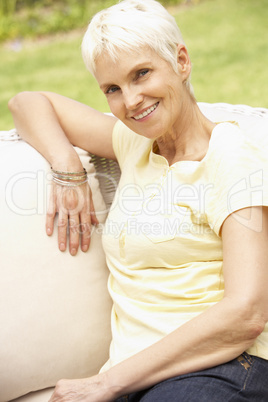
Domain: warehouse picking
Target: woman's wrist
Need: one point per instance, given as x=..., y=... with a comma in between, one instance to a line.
x=70, y=163
x=111, y=384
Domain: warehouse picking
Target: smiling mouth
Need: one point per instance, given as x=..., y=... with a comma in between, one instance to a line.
x=146, y=112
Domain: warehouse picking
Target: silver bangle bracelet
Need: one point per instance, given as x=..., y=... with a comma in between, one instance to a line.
x=69, y=178
x=69, y=184
x=58, y=172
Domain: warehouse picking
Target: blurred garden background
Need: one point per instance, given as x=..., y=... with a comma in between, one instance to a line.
x=40, y=49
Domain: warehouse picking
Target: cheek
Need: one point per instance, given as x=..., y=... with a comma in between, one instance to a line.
x=115, y=107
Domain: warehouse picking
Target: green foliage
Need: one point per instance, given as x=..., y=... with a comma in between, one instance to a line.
x=167, y=3
x=31, y=18
x=38, y=18
x=7, y=7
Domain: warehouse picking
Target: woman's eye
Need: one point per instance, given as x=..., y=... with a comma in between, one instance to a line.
x=142, y=73
x=111, y=90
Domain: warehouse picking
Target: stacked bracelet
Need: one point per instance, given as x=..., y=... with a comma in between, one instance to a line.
x=69, y=179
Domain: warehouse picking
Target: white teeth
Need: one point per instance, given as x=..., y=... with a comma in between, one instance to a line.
x=148, y=111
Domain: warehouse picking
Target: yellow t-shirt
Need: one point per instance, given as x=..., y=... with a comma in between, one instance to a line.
x=162, y=238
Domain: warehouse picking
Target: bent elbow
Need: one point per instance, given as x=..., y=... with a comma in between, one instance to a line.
x=15, y=102
x=254, y=321
x=255, y=327
x=12, y=103
x=248, y=320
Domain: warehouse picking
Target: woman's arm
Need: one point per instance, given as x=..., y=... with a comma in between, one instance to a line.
x=216, y=336
x=52, y=124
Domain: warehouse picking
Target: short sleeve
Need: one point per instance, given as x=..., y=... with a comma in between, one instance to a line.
x=240, y=178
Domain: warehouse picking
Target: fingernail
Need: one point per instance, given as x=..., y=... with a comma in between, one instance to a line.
x=49, y=231
x=62, y=247
x=85, y=248
x=73, y=251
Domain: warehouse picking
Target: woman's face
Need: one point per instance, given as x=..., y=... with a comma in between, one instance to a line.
x=144, y=91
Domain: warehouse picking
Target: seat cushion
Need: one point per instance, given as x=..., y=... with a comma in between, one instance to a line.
x=38, y=396
x=54, y=308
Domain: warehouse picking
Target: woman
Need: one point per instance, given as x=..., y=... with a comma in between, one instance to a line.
x=188, y=258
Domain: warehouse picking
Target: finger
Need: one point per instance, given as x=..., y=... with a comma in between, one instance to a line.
x=51, y=212
x=85, y=230
x=67, y=202
x=62, y=230
x=94, y=219
x=86, y=220
x=91, y=209
x=76, y=202
x=74, y=234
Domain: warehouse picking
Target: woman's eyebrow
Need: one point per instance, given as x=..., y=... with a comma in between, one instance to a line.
x=138, y=66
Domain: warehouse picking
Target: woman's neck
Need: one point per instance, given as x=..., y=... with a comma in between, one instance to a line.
x=189, y=139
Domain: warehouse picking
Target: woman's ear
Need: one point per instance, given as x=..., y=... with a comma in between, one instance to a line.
x=184, y=62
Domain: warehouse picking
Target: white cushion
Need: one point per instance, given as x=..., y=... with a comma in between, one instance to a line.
x=54, y=308
x=38, y=396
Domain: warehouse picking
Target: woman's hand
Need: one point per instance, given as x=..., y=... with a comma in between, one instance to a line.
x=76, y=214
x=53, y=134
x=91, y=389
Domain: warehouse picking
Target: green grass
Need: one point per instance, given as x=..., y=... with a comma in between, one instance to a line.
x=228, y=43
x=57, y=67
x=227, y=40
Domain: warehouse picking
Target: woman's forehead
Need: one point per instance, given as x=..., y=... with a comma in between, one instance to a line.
x=127, y=59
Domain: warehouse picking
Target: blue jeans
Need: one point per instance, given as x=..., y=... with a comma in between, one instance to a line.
x=244, y=379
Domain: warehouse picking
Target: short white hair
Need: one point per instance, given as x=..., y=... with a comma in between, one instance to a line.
x=131, y=25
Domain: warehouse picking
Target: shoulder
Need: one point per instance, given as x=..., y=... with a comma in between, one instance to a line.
x=231, y=146
x=227, y=137
x=238, y=173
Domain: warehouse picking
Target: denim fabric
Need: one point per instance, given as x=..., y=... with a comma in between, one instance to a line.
x=244, y=379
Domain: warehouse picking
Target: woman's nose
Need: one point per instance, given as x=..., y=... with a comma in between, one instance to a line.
x=132, y=98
